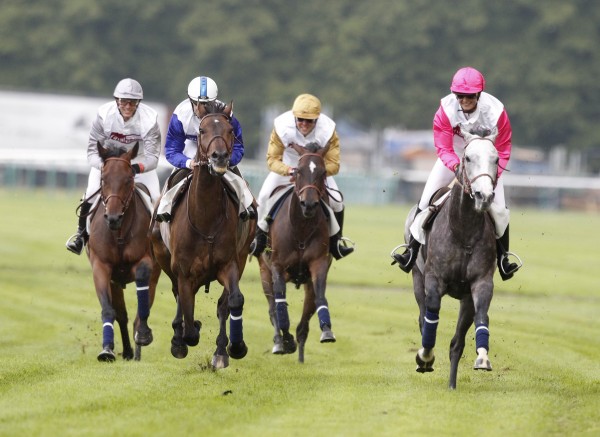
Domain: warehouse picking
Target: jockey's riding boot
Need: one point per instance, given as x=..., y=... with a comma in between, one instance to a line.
x=259, y=243
x=407, y=260
x=337, y=243
x=76, y=242
x=248, y=214
x=505, y=267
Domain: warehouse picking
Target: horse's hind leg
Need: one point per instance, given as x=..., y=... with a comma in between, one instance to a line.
x=267, y=285
x=118, y=303
x=307, y=312
x=220, y=359
x=457, y=345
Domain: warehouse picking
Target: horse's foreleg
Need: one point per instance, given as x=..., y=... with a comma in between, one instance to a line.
x=142, y=332
x=482, y=298
x=102, y=275
x=425, y=356
x=178, y=347
x=237, y=348
x=457, y=345
x=319, y=279
x=281, y=311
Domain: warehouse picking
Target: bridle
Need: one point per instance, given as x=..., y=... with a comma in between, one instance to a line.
x=203, y=151
x=464, y=181
x=124, y=203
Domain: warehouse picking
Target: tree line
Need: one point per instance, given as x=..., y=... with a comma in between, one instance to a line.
x=378, y=63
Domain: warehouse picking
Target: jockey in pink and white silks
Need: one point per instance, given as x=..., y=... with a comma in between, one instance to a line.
x=182, y=144
x=302, y=125
x=476, y=111
x=121, y=123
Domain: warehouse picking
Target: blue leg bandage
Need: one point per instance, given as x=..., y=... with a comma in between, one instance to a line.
x=430, y=324
x=283, y=320
x=236, y=332
x=482, y=337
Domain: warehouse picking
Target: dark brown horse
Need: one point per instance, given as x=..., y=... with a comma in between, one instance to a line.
x=299, y=252
x=459, y=258
x=208, y=242
x=119, y=253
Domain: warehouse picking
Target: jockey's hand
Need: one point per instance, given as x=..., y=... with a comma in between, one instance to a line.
x=292, y=174
x=137, y=168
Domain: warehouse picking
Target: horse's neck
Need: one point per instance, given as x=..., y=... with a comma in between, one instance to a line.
x=464, y=220
x=207, y=193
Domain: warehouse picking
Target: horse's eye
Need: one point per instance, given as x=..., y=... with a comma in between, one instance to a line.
x=467, y=159
x=200, y=131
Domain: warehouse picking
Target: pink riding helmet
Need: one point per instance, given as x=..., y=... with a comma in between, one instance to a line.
x=467, y=80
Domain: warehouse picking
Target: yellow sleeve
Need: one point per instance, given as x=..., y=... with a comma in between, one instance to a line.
x=275, y=155
x=332, y=158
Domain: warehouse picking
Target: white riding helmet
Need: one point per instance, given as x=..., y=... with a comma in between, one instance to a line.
x=129, y=89
x=202, y=89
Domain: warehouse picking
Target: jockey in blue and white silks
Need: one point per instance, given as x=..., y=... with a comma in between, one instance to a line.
x=182, y=143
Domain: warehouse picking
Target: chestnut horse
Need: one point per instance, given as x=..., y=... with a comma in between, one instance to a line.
x=208, y=241
x=119, y=252
x=299, y=252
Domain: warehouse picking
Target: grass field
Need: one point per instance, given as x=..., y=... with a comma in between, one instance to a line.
x=544, y=344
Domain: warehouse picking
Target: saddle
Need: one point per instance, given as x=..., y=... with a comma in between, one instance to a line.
x=436, y=202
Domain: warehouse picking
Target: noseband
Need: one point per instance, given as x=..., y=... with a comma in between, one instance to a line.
x=124, y=203
x=300, y=190
x=466, y=182
x=203, y=151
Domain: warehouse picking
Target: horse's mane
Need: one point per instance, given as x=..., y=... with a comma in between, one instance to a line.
x=480, y=131
x=214, y=107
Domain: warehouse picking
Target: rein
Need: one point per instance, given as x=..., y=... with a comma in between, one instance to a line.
x=465, y=182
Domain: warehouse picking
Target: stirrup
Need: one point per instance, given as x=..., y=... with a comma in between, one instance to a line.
x=395, y=255
x=508, y=274
x=407, y=266
x=344, y=247
x=75, y=243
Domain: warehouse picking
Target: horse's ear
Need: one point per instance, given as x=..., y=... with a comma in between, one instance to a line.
x=133, y=152
x=493, y=134
x=468, y=136
x=298, y=148
x=228, y=110
x=102, y=151
x=323, y=151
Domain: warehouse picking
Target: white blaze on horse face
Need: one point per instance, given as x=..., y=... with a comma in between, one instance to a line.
x=312, y=166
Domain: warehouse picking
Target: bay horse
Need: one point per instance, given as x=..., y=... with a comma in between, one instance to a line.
x=299, y=253
x=119, y=252
x=208, y=242
x=459, y=258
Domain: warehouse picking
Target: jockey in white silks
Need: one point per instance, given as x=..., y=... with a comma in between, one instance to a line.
x=121, y=124
x=182, y=144
x=476, y=111
x=302, y=125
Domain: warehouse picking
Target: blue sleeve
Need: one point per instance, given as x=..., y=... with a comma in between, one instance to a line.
x=238, y=143
x=175, y=143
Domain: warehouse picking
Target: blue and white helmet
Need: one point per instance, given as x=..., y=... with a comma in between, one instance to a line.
x=202, y=89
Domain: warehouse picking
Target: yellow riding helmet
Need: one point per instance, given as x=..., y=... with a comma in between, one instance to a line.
x=306, y=106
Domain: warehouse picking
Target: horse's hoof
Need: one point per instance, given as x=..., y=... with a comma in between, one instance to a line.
x=424, y=366
x=179, y=350
x=143, y=337
x=289, y=344
x=237, y=351
x=327, y=337
x=107, y=355
x=128, y=354
x=482, y=364
x=220, y=361
x=278, y=345
x=194, y=339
